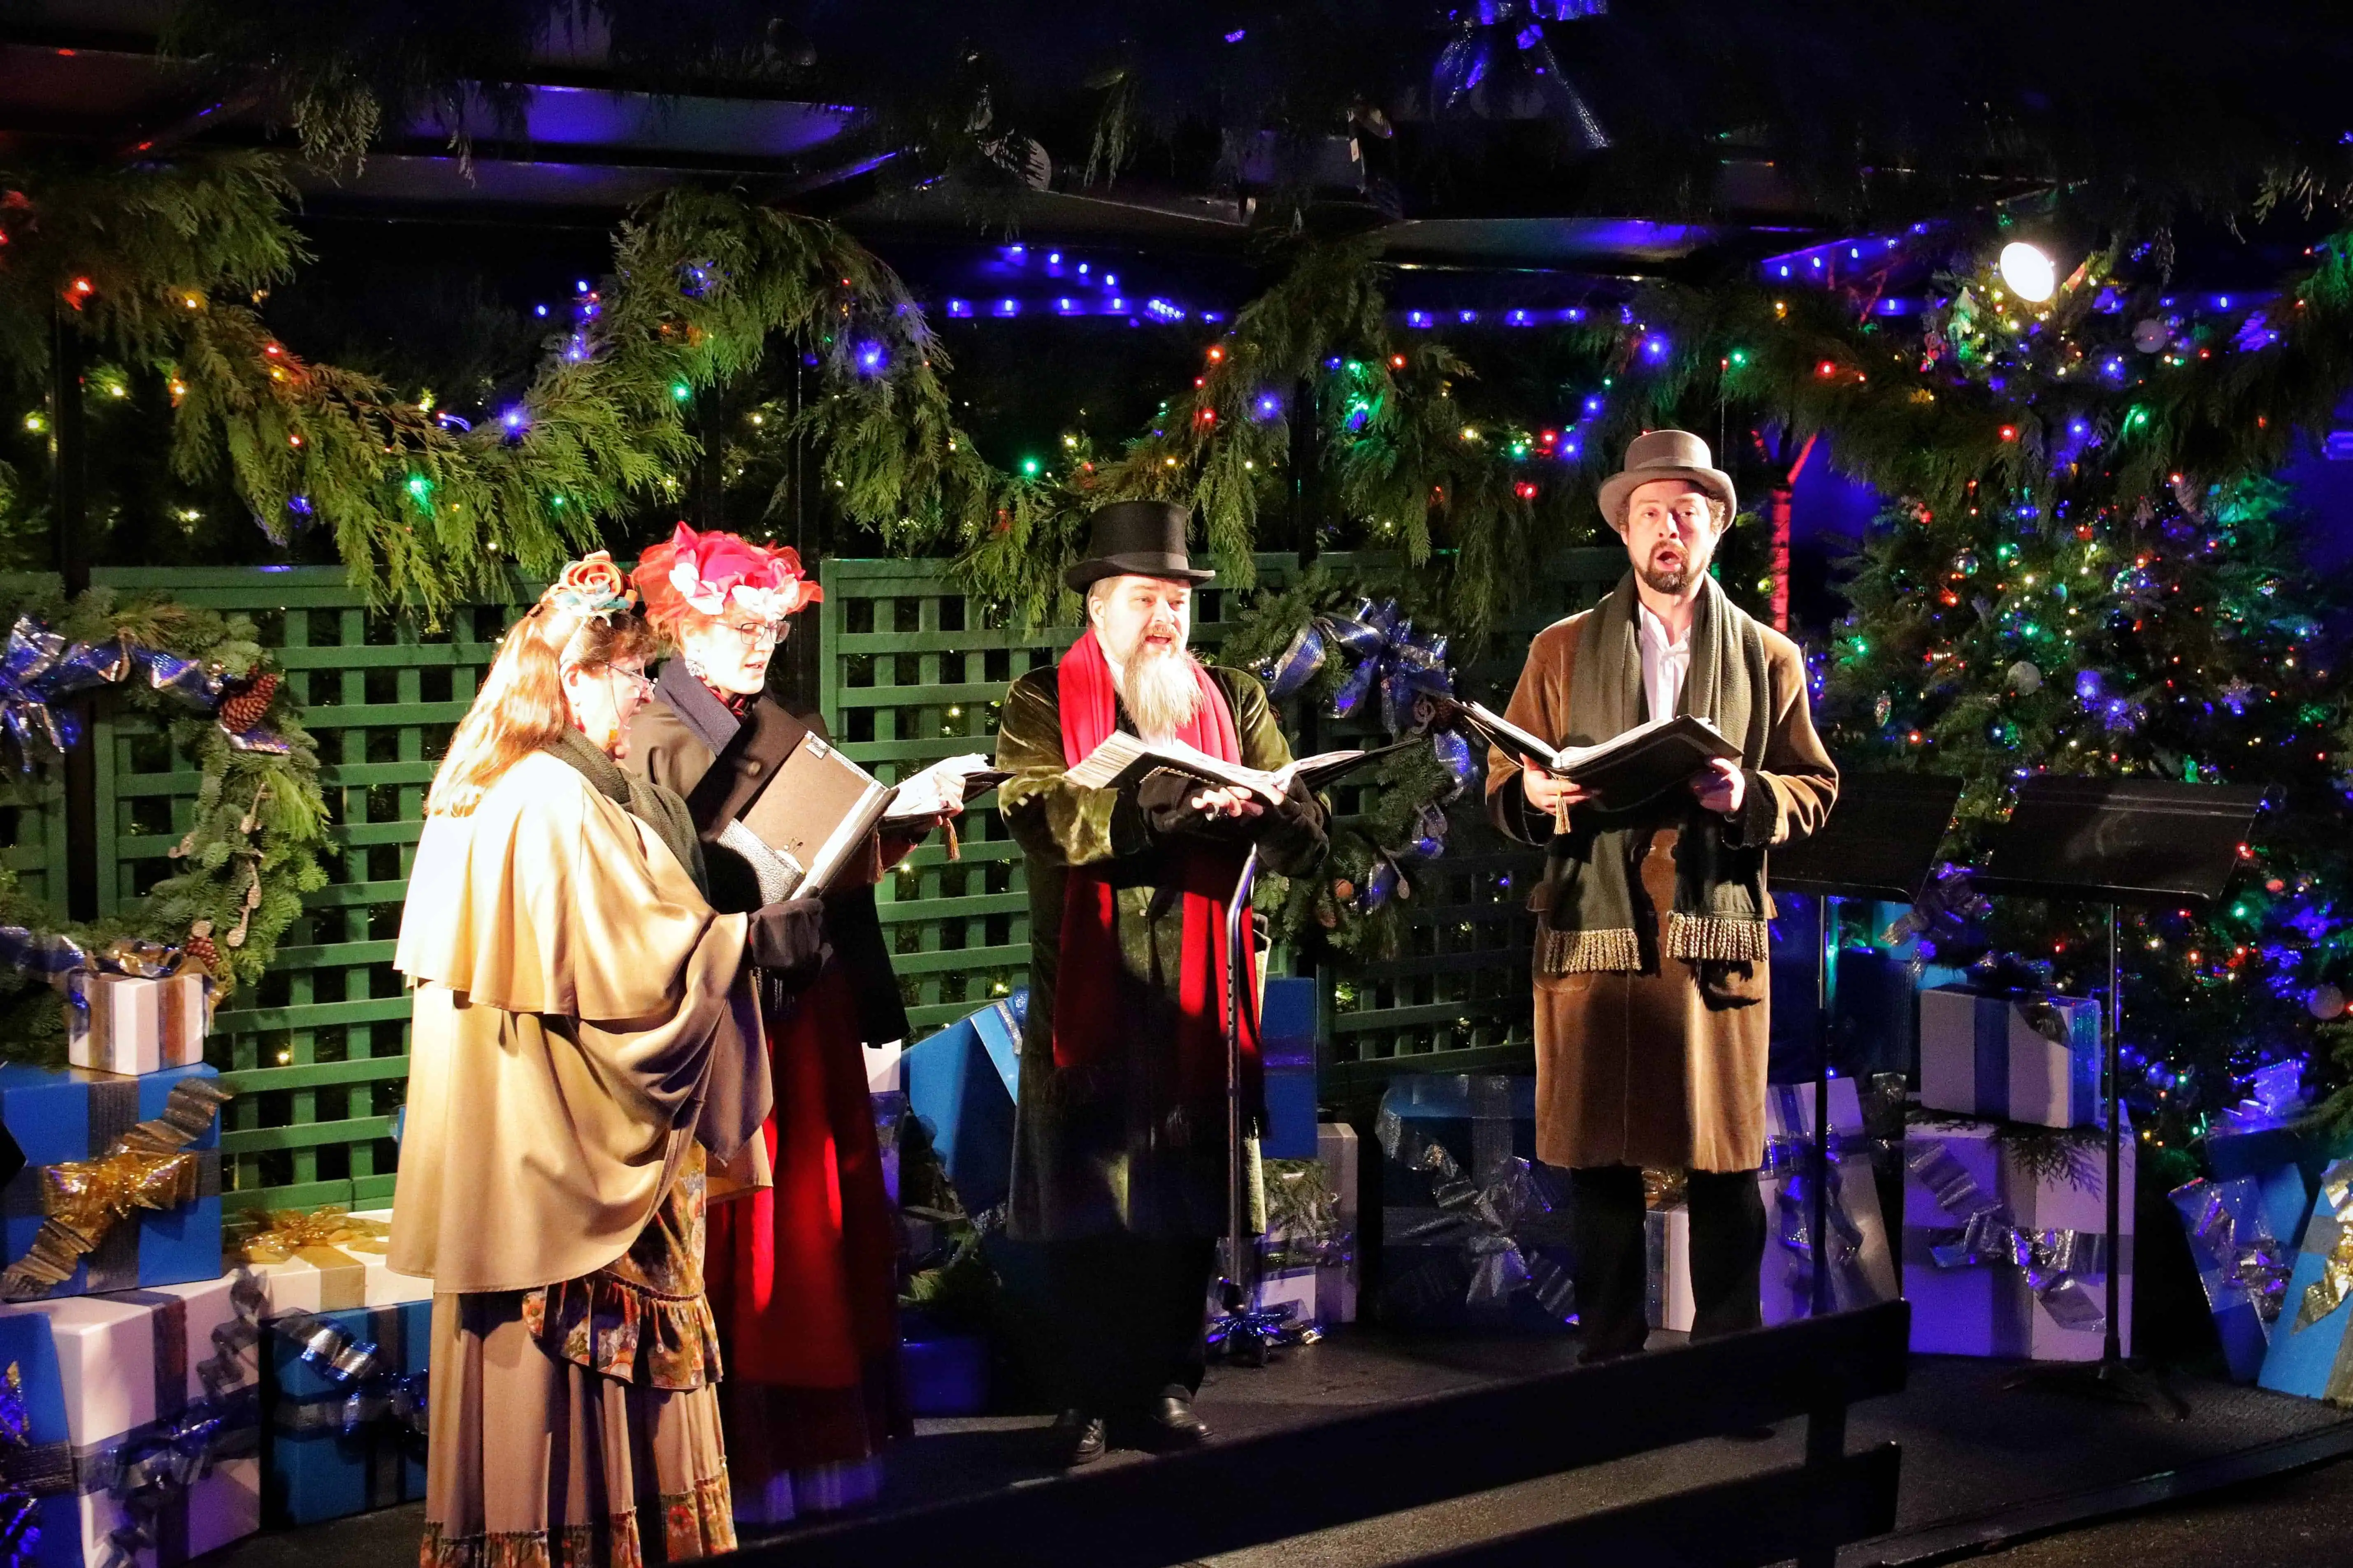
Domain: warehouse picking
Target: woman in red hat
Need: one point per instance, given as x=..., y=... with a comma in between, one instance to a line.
x=804, y=1276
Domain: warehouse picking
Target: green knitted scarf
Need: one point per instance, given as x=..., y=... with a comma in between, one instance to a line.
x=1719, y=913
x=649, y=803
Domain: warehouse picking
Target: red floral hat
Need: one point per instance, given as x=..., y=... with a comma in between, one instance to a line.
x=708, y=571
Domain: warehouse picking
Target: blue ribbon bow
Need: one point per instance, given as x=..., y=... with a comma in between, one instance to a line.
x=39, y=670
x=1485, y=1219
x=372, y=1391
x=1408, y=669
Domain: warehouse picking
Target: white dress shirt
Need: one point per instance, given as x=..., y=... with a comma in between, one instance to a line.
x=1664, y=664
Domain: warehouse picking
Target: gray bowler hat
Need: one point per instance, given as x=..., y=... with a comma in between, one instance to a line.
x=1666, y=454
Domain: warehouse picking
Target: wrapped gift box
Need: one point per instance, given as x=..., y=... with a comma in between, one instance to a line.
x=1337, y=1147
x=2310, y=1353
x=2243, y=1266
x=1862, y=1265
x=1969, y=1202
x=1475, y=1230
x=327, y=1261
x=146, y=1378
x=347, y=1411
x=74, y=1115
x=1287, y=1053
x=1307, y=1258
x=962, y=1085
x=946, y=1374
x=890, y=1111
x=39, y=1457
x=124, y=1023
x=1995, y=1056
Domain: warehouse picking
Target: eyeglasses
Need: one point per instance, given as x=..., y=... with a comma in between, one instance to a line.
x=638, y=679
x=756, y=631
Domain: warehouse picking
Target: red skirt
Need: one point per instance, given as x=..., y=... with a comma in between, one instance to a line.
x=804, y=1276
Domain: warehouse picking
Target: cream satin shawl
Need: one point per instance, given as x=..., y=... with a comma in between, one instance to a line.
x=582, y=1016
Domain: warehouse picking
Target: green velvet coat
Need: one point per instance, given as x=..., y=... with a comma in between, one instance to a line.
x=1106, y=1148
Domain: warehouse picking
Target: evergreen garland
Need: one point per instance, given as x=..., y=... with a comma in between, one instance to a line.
x=260, y=821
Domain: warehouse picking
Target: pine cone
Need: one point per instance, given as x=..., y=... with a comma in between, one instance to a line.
x=248, y=701
x=205, y=952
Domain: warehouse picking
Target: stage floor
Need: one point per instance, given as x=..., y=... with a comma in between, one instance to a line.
x=1981, y=1462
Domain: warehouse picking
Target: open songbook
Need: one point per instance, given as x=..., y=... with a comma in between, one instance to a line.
x=1623, y=770
x=1124, y=759
x=805, y=830
x=945, y=786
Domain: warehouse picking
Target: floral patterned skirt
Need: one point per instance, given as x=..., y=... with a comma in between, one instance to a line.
x=561, y=1417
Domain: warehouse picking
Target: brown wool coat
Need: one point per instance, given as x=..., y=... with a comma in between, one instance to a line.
x=1653, y=1068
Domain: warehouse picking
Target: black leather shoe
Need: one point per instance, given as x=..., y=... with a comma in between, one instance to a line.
x=1077, y=1439
x=1170, y=1424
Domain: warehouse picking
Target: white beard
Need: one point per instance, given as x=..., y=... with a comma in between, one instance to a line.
x=1161, y=692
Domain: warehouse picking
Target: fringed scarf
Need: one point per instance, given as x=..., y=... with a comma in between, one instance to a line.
x=1092, y=1023
x=1719, y=908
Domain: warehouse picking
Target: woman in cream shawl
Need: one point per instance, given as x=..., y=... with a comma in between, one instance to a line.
x=586, y=1043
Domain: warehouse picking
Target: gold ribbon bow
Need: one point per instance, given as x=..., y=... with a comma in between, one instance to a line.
x=2328, y=1292
x=149, y=1167
x=291, y=1233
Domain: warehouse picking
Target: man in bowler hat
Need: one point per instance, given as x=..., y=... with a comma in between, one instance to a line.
x=1651, y=951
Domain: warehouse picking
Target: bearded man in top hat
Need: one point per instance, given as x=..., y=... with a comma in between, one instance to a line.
x=1120, y=1156
x=1652, y=1009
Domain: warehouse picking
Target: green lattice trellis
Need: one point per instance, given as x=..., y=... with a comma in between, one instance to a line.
x=909, y=671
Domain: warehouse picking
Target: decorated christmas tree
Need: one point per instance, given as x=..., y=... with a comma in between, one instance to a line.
x=2107, y=584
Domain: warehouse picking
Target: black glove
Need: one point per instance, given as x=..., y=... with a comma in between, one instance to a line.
x=1166, y=798
x=787, y=939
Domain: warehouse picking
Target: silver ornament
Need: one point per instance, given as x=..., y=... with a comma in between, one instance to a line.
x=2149, y=334
x=2025, y=678
x=2325, y=1002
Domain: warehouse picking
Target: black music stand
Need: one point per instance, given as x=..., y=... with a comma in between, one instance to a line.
x=1881, y=842
x=2117, y=842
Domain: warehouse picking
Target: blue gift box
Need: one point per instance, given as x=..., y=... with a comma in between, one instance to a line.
x=1474, y=1229
x=42, y=1466
x=2310, y=1352
x=316, y=1469
x=2243, y=1264
x=946, y=1373
x=1995, y=1055
x=962, y=1085
x=73, y=1114
x=1287, y=1052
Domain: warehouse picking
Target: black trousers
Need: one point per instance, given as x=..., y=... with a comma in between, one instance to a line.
x=1727, y=1248
x=1130, y=1310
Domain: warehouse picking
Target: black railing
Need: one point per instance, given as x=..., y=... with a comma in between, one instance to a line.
x=1257, y=1491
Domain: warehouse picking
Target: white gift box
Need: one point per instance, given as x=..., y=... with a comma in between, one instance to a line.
x=1335, y=1282
x=124, y=1023
x=1862, y=1265
x=1992, y=1307
x=325, y=1277
x=134, y=1363
x=1982, y=1055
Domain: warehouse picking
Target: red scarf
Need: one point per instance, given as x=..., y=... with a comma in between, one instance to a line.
x=1090, y=1022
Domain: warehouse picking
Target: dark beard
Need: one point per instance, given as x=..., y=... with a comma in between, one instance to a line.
x=1665, y=582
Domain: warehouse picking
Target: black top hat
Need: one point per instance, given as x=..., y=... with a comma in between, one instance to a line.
x=1139, y=537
